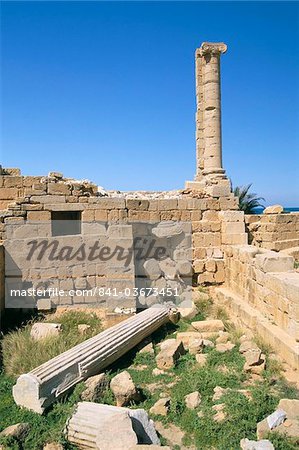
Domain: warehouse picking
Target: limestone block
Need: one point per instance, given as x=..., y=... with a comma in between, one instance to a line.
x=36, y=216
x=234, y=239
x=95, y=427
x=264, y=444
x=48, y=199
x=232, y=227
x=231, y=216
x=137, y=204
x=170, y=354
x=44, y=304
x=17, y=431
x=111, y=203
x=201, y=359
x=53, y=446
x=213, y=325
x=43, y=330
x=274, y=262
x=273, y=209
x=193, y=400
x=167, y=204
x=42, y=386
x=59, y=188
x=187, y=337
x=8, y=193
x=161, y=407
x=12, y=181
x=152, y=269
x=94, y=388
x=124, y=389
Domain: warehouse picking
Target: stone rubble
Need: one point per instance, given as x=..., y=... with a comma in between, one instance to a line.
x=193, y=400
x=170, y=352
x=161, y=407
x=94, y=388
x=124, y=389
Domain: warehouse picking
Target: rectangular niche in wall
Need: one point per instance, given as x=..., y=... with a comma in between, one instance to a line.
x=65, y=223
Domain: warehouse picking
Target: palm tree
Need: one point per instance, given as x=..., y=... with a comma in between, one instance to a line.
x=247, y=201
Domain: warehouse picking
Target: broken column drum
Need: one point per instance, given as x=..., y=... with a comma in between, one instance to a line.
x=39, y=388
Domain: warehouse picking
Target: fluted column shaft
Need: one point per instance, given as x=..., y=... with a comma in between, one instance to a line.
x=39, y=388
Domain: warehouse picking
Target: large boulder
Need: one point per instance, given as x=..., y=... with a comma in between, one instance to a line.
x=124, y=389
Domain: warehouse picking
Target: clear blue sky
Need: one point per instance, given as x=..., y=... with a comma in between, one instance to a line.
x=105, y=91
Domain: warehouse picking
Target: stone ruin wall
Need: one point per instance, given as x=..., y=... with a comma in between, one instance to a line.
x=261, y=291
x=26, y=199
x=274, y=231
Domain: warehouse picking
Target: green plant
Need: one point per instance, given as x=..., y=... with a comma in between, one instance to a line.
x=247, y=201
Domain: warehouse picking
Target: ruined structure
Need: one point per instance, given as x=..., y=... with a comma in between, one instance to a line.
x=256, y=297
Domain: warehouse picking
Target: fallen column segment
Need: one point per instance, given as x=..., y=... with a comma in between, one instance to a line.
x=97, y=426
x=38, y=389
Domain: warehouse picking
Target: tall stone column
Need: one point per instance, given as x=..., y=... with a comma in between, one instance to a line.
x=209, y=64
x=209, y=170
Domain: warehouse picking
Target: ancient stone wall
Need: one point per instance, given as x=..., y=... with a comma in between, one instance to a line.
x=33, y=199
x=273, y=231
x=262, y=290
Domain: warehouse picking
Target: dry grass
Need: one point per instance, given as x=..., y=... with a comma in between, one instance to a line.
x=21, y=353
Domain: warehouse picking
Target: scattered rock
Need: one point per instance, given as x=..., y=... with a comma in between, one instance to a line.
x=246, y=444
x=212, y=325
x=222, y=348
x=290, y=406
x=152, y=269
x=173, y=434
x=187, y=337
x=219, y=392
x=43, y=330
x=187, y=309
x=273, y=209
x=193, y=400
x=273, y=422
x=161, y=407
x=196, y=346
x=198, y=296
x=83, y=328
x=53, y=446
x=124, y=389
x=147, y=347
x=95, y=387
x=223, y=337
x=253, y=357
x=247, y=345
x=201, y=359
x=208, y=343
x=157, y=372
x=140, y=367
x=17, y=431
x=220, y=413
x=171, y=350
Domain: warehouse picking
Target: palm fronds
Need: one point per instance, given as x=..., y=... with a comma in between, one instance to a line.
x=247, y=200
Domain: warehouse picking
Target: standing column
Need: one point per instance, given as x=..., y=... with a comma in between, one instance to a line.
x=209, y=54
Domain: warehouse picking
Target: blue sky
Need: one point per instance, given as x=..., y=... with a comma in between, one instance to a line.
x=105, y=91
